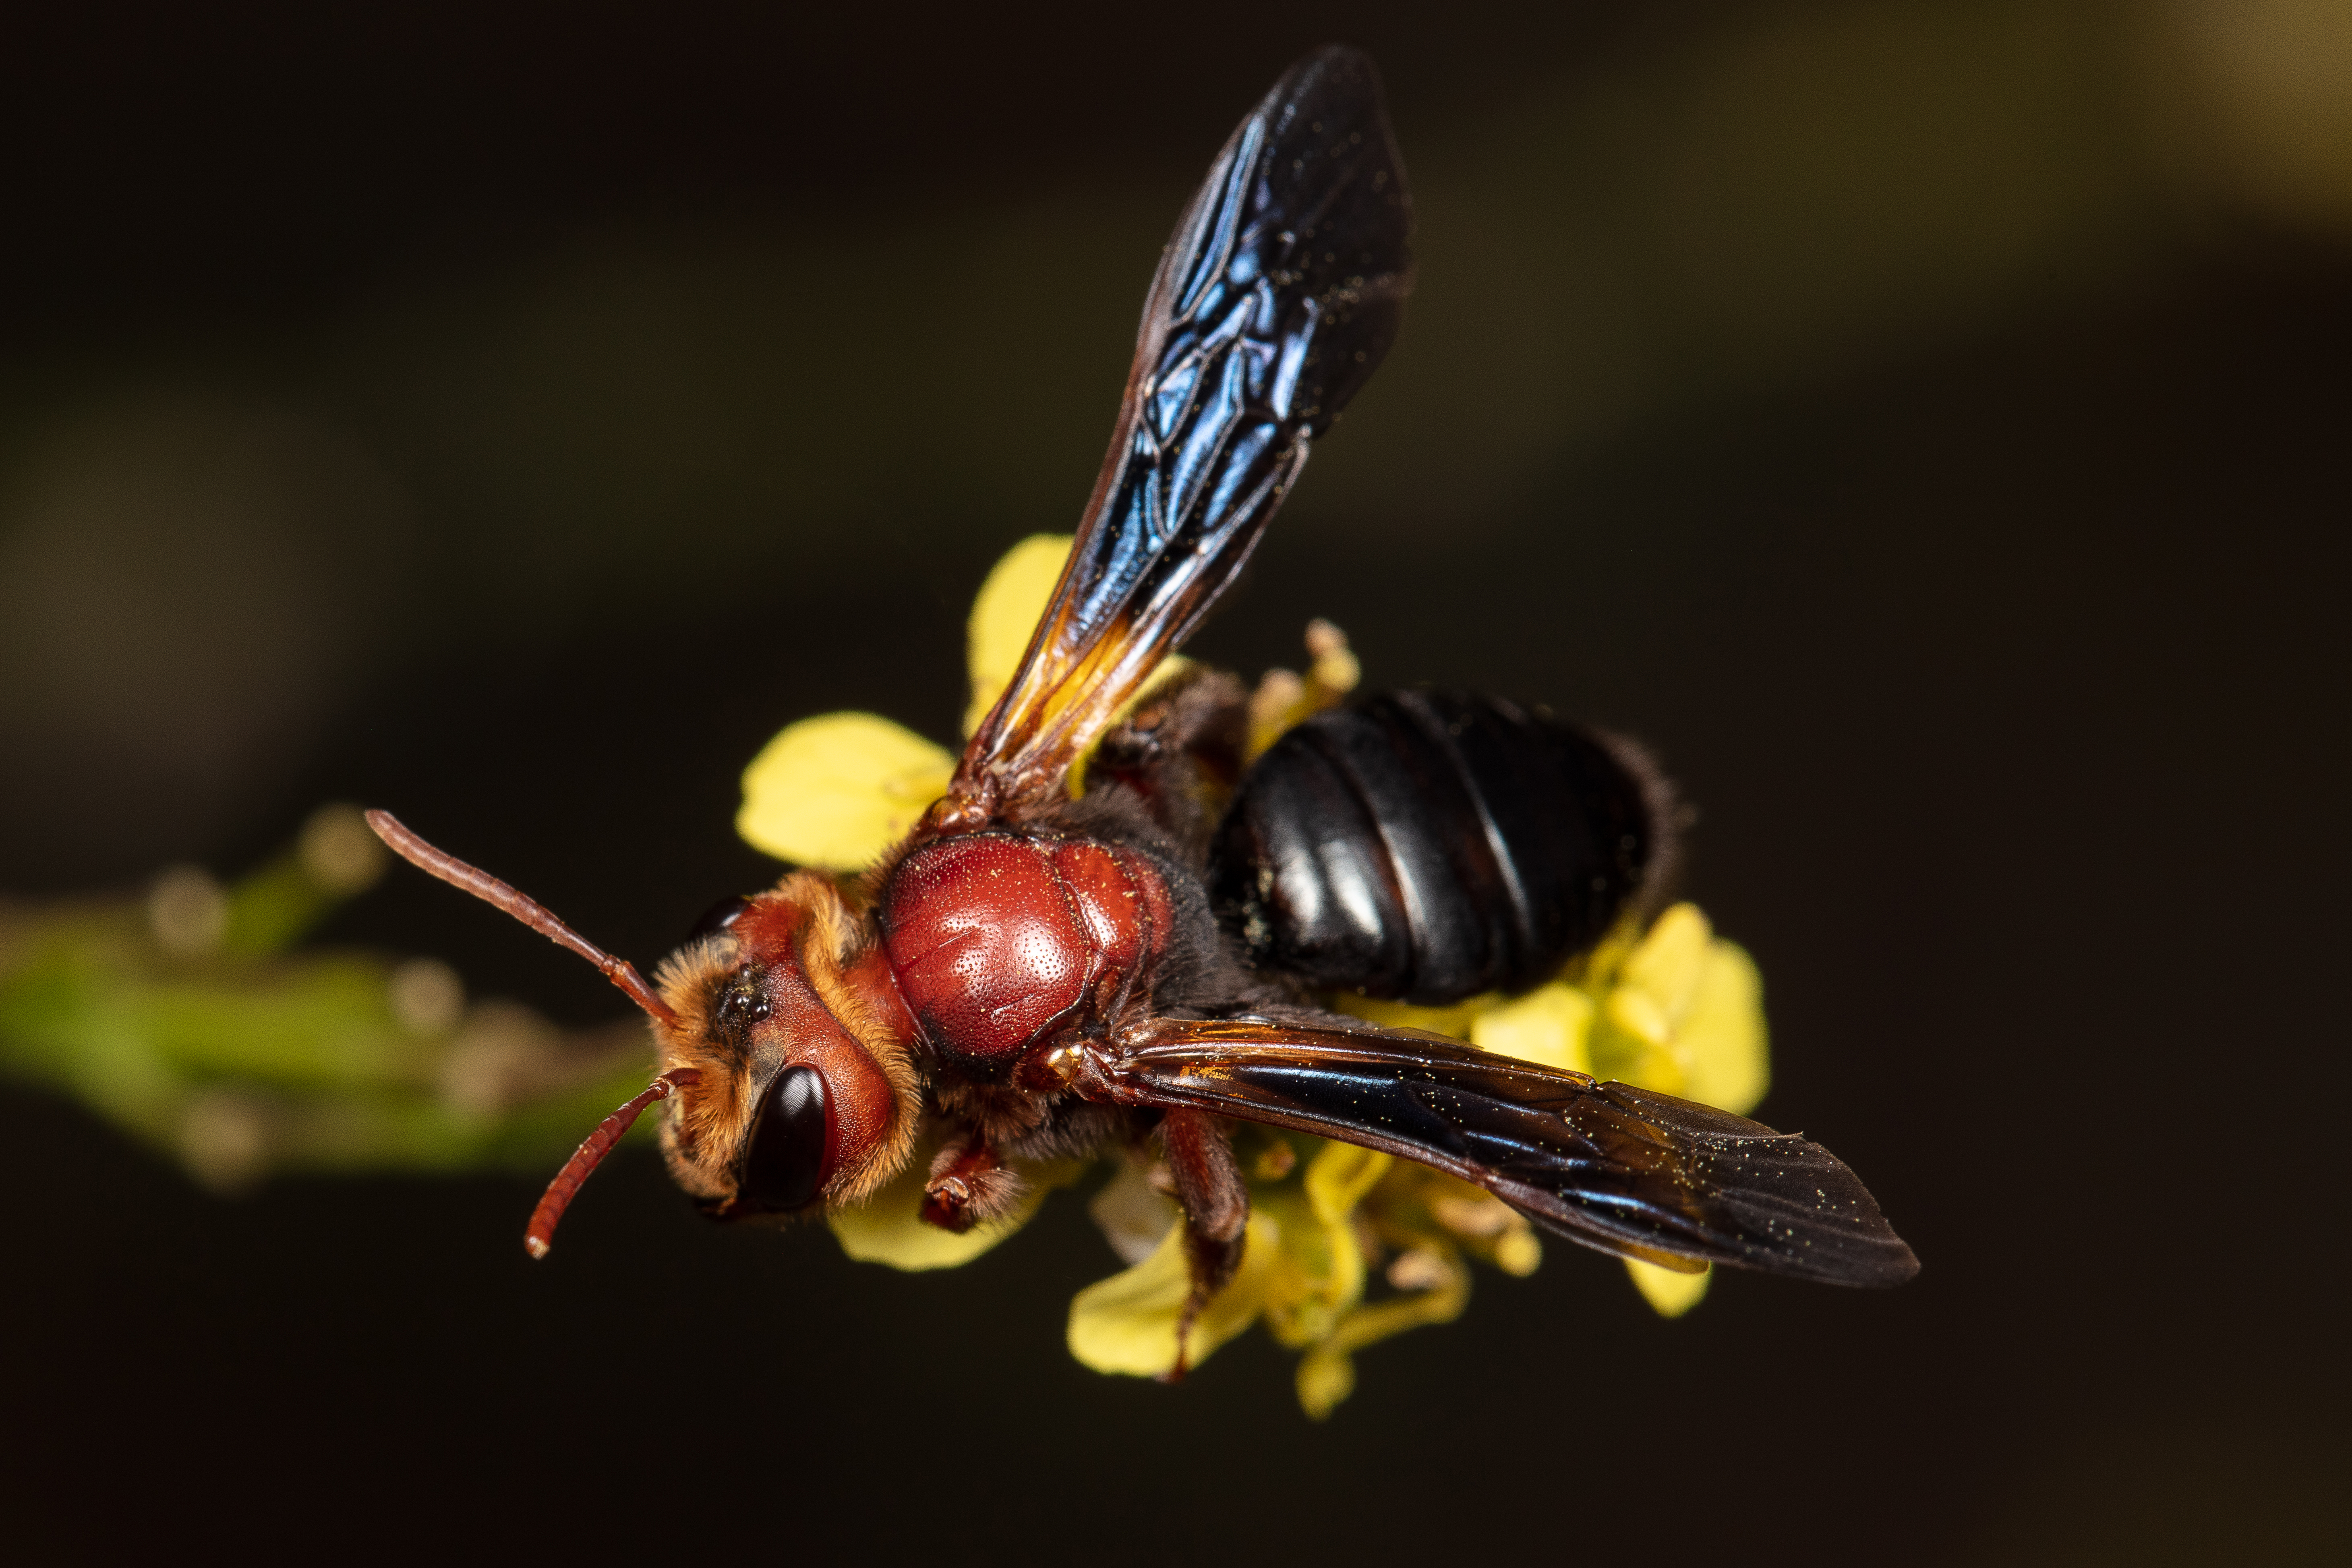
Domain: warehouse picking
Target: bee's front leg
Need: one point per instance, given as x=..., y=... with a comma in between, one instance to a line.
x=1215, y=1201
x=970, y=1183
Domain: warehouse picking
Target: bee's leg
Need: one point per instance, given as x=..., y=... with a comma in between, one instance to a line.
x=969, y=1184
x=1216, y=1211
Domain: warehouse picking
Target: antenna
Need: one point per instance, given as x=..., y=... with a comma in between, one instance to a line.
x=528, y=910
x=541, y=1236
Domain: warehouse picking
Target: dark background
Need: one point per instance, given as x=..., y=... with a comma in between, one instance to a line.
x=1925, y=425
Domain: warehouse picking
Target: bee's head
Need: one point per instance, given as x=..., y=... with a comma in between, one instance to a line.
x=782, y=1041
x=804, y=1090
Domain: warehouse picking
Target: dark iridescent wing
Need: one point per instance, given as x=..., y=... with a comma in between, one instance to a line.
x=1625, y=1170
x=1276, y=298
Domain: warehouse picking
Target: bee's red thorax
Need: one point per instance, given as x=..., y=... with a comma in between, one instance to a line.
x=1000, y=940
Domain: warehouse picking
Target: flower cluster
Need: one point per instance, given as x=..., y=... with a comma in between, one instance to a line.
x=1345, y=1246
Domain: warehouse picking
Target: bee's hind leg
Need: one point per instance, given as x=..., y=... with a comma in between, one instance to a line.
x=1215, y=1201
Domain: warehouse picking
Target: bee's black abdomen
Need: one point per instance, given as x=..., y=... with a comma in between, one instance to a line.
x=1428, y=845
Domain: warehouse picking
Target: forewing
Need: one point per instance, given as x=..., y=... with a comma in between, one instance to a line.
x=1625, y=1170
x=1277, y=296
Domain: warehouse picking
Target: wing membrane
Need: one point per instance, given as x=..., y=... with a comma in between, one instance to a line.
x=1277, y=296
x=1624, y=1170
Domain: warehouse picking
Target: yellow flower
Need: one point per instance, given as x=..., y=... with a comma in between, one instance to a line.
x=1127, y=1323
x=1551, y=1024
x=836, y=791
x=1683, y=1014
x=1304, y=1270
x=1011, y=603
x=1669, y=1292
x=1672, y=1007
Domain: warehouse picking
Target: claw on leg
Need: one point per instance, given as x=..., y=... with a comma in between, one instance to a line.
x=968, y=1185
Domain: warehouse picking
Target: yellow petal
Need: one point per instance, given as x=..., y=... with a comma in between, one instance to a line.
x=1327, y=1372
x=1518, y=1252
x=1549, y=1026
x=1127, y=1323
x=1319, y=1276
x=1325, y=1377
x=1320, y=1272
x=1453, y=1021
x=1010, y=603
x=834, y=792
x=1722, y=1042
x=1662, y=974
x=1670, y=1294
x=1005, y=616
x=1340, y=1176
x=1597, y=971
x=1626, y=1054
x=1643, y=1011
x=888, y=1229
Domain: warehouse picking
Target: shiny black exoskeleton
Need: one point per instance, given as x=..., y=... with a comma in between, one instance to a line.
x=1428, y=845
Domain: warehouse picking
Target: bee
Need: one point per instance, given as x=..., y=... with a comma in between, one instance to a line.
x=1039, y=970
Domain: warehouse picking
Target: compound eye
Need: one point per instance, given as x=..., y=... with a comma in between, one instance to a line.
x=718, y=918
x=788, y=1146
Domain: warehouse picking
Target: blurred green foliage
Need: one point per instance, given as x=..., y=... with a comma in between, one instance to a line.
x=187, y=1019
